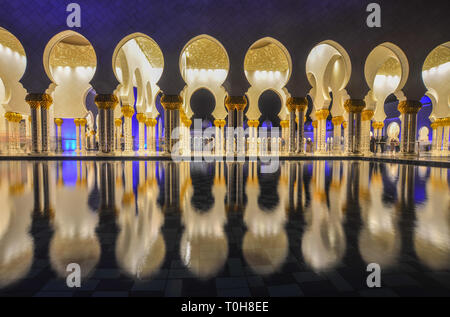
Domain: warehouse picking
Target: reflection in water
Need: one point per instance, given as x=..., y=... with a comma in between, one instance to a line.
x=323, y=244
x=140, y=247
x=265, y=244
x=432, y=232
x=204, y=245
x=16, y=243
x=320, y=212
x=74, y=223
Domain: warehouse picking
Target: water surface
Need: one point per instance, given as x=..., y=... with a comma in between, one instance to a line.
x=140, y=228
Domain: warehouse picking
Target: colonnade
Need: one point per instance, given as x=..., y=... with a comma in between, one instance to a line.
x=353, y=126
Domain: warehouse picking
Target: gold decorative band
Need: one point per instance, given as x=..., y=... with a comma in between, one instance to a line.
x=409, y=106
x=354, y=105
x=171, y=102
x=118, y=122
x=314, y=124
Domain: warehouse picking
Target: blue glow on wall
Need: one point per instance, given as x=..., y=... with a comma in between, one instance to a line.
x=68, y=131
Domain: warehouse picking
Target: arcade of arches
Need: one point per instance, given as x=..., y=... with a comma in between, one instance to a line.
x=138, y=118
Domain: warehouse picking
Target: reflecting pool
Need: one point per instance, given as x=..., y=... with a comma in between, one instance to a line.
x=158, y=228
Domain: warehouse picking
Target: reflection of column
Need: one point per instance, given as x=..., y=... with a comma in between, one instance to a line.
x=58, y=122
x=409, y=109
x=354, y=107
x=77, y=133
x=171, y=105
x=141, y=118
x=337, y=121
x=127, y=112
x=34, y=101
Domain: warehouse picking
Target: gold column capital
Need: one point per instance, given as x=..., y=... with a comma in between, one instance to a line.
x=106, y=101
x=354, y=105
x=58, y=121
x=141, y=117
x=296, y=103
x=377, y=124
x=127, y=111
x=344, y=124
x=338, y=120
x=77, y=121
x=39, y=100
x=171, y=102
x=367, y=115
x=322, y=114
x=235, y=102
x=409, y=106
x=117, y=122
x=314, y=124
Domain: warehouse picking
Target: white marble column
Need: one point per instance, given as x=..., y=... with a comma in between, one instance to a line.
x=127, y=112
x=141, y=118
